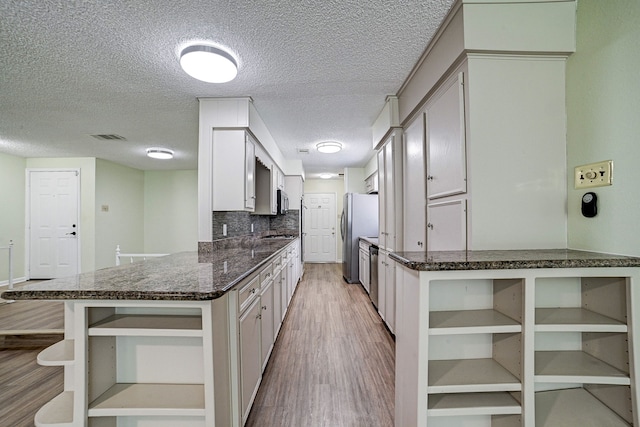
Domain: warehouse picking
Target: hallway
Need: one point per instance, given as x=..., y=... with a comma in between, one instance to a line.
x=333, y=362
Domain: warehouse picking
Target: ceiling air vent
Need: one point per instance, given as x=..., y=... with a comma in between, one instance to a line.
x=303, y=150
x=110, y=137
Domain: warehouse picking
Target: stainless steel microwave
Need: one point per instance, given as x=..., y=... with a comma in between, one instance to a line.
x=283, y=202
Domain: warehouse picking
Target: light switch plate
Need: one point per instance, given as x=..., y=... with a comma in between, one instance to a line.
x=593, y=174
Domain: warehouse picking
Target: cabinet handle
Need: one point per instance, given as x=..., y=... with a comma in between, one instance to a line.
x=264, y=307
x=253, y=291
x=429, y=177
x=429, y=225
x=420, y=244
x=259, y=316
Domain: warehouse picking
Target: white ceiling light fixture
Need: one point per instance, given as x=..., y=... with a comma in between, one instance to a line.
x=160, y=153
x=326, y=175
x=329, y=147
x=208, y=64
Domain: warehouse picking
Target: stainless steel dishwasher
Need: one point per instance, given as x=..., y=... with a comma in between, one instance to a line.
x=373, y=274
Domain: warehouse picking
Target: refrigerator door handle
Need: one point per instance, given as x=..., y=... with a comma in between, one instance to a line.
x=342, y=226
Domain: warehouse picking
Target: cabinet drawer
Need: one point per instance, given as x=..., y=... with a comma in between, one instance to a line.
x=364, y=246
x=248, y=293
x=266, y=274
x=277, y=264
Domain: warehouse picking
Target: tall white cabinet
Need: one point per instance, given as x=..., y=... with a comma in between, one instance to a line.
x=484, y=145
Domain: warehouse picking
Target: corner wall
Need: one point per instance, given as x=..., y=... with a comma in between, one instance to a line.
x=12, y=215
x=603, y=101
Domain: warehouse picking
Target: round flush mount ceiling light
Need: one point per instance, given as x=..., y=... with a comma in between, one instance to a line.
x=208, y=64
x=160, y=153
x=329, y=147
x=326, y=175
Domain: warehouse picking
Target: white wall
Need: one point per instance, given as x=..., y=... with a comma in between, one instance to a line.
x=354, y=180
x=170, y=211
x=12, y=200
x=603, y=103
x=335, y=186
x=120, y=189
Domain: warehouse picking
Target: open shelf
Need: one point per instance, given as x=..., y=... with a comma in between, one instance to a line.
x=57, y=412
x=470, y=376
x=148, y=325
x=442, y=405
x=575, y=320
x=576, y=367
x=471, y=322
x=573, y=407
x=149, y=400
x=58, y=354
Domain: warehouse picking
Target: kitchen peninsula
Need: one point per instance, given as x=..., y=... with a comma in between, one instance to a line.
x=180, y=340
x=540, y=338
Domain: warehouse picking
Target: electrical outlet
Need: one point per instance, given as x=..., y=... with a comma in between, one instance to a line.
x=594, y=174
x=224, y=229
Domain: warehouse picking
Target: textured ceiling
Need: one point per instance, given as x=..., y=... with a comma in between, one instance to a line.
x=316, y=70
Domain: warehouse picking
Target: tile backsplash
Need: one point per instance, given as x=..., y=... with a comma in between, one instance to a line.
x=239, y=223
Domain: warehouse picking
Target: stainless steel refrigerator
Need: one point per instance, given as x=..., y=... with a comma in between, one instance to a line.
x=359, y=219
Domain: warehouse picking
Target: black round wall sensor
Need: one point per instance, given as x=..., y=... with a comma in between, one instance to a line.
x=589, y=205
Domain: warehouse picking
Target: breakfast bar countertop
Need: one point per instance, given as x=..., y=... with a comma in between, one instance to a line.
x=510, y=259
x=184, y=276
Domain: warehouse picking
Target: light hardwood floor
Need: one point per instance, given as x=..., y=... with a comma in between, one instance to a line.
x=333, y=362
x=332, y=365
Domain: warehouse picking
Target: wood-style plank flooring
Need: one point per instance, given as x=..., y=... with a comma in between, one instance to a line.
x=24, y=385
x=332, y=365
x=333, y=362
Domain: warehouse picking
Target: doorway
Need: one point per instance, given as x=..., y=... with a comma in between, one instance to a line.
x=53, y=228
x=320, y=227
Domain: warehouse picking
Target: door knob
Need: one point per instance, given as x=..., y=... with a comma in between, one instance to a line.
x=73, y=233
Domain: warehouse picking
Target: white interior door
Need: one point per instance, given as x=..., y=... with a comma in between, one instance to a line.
x=320, y=227
x=53, y=223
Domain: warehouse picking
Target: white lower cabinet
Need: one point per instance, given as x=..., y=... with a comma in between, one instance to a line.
x=139, y=363
x=250, y=355
x=506, y=348
x=387, y=290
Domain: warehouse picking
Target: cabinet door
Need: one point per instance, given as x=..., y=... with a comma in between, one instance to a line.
x=266, y=322
x=414, y=200
x=389, y=196
x=382, y=288
x=277, y=303
x=250, y=166
x=390, y=294
x=447, y=226
x=446, y=166
x=285, y=294
x=250, y=355
x=382, y=231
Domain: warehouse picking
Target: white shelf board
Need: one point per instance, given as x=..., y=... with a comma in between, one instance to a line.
x=465, y=404
x=575, y=320
x=575, y=367
x=150, y=400
x=58, y=412
x=148, y=325
x=573, y=407
x=58, y=354
x=470, y=322
x=470, y=376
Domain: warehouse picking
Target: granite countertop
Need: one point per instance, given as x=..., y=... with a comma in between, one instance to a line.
x=371, y=240
x=510, y=259
x=185, y=276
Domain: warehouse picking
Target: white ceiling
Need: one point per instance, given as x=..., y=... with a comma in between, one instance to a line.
x=316, y=70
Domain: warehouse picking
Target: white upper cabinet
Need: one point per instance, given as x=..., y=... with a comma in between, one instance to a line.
x=414, y=179
x=233, y=171
x=446, y=165
x=250, y=174
x=390, y=192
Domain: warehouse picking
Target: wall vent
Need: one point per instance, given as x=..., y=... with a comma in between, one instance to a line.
x=303, y=150
x=109, y=137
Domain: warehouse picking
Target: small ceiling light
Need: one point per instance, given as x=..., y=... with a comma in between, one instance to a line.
x=209, y=64
x=329, y=147
x=326, y=175
x=160, y=153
